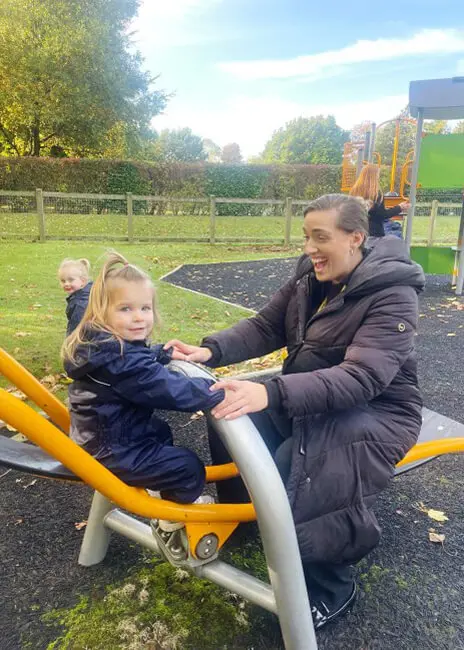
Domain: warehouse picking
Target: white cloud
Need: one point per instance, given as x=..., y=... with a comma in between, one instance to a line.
x=251, y=121
x=424, y=42
x=168, y=23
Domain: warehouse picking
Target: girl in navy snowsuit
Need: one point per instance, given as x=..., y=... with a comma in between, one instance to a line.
x=119, y=379
x=74, y=278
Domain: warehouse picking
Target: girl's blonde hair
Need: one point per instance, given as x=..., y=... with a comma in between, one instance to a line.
x=115, y=269
x=82, y=265
x=368, y=184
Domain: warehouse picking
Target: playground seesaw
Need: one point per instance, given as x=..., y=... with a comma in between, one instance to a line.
x=196, y=546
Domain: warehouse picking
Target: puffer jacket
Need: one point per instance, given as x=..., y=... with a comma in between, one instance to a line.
x=349, y=386
x=115, y=392
x=76, y=304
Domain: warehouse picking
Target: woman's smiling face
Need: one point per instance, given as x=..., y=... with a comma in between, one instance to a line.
x=333, y=252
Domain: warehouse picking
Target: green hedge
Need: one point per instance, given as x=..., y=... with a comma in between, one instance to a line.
x=171, y=179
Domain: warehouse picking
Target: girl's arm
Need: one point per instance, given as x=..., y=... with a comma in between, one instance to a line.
x=140, y=379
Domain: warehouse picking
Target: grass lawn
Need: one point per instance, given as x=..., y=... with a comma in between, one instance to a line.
x=190, y=226
x=32, y=305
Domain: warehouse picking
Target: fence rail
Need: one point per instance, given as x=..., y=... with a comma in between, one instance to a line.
x=129, y=217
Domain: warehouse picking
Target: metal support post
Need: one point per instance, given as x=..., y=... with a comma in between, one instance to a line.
x=414, y=176
x=97, y=536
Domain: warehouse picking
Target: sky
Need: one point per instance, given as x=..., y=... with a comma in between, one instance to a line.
x=240, y=69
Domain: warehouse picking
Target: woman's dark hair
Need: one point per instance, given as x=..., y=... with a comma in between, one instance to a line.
x=351, y=211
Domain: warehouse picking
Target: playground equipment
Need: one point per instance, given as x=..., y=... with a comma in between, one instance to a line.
x=358, y=153
x=437, y=99
x=207, y=527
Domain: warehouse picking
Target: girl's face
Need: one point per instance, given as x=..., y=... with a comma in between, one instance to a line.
x=71, y=279
x=130, y=312
x=333, y=252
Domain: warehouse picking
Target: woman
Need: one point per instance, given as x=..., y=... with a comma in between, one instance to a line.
x=347, y=406
x=368, y=188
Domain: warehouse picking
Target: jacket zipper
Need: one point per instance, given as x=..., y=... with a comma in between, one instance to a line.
x=303, y=296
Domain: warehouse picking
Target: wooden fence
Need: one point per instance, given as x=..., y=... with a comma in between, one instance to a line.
x=65, y=216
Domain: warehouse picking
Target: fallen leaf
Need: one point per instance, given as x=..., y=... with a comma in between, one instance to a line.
x=80, y=525
x=33, y=482
x=451, y=334
x=436, y=538
x=18, y=521
x=197, y=415
x=16, y=393
x=437, y=515
x=20, y=335
x=10, y=428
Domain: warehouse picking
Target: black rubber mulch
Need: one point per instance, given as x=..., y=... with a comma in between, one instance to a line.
x=244, y=283
x=412, y=591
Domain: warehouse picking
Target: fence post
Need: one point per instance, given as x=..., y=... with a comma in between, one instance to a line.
x=288, y=221
x=130, y=217
x=433, y=216
x=212, y=219
x=40, y=214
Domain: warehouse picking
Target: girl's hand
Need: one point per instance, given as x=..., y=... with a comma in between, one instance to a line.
x=242, y=397
x=405, y=206
x=184, y=352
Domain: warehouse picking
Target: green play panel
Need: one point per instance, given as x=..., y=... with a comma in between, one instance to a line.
x=434, y=259
x=442, y=161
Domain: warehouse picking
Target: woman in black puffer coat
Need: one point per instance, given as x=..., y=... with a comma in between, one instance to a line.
x=347, y=406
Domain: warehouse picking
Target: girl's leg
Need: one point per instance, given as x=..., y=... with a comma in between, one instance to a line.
x=177, y=473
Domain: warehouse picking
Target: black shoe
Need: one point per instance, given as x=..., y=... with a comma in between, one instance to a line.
x=322, y=614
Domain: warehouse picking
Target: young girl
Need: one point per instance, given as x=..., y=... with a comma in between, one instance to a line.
x=118, y=382
x=368, y=187
x=74, y=278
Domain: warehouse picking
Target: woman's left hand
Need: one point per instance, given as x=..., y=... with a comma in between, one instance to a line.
x=241, y=397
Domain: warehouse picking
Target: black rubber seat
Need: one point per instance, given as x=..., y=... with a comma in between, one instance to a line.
x=31, y=459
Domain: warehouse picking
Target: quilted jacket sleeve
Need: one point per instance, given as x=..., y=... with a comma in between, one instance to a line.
x=142, y=380
x=253, y=337
x=382, y=343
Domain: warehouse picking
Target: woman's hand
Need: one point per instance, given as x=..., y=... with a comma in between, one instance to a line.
x=184, y=352
x=405, y=206
x=242, y=397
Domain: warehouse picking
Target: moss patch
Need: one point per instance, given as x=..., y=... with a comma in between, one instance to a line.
x=157, y=608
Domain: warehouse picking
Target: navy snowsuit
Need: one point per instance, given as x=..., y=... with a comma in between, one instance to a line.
x=76, y=306
x=112, y=399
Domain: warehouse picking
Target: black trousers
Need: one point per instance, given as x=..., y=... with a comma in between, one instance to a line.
x=327, y=583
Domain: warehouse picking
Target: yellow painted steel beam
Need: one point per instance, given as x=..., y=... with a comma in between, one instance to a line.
x=433, y=448
x=33, y=389
x=135, y=500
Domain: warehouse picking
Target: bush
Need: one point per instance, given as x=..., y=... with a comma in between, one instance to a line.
x=98, y=176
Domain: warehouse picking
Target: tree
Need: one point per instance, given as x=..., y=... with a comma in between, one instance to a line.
x=67, y=76
x=358, y=132
x=231, y=154
x=384, y=140
x=438, y=127
x=180, y=145
x=307, y=140
x=212, y=151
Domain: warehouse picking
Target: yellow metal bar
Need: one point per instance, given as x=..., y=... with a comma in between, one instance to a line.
x=221, y=472
x=136, y=500
x=433, y=448
x=33, y=389
x=396, y=143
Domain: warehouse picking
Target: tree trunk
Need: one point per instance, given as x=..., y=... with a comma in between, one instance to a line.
x=36, y=137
